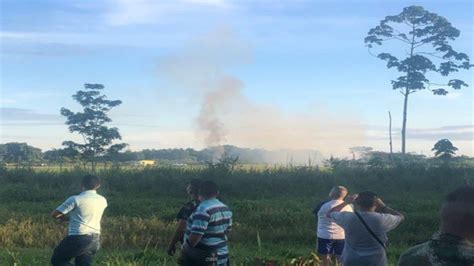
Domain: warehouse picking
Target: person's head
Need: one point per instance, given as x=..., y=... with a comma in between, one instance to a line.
x=366, y=201
x=208, y=190
x=338, y=193
x=90, y=182
x=193, y=188
x=457, y=213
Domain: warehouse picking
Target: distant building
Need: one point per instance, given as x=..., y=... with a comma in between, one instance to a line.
x=146, y=162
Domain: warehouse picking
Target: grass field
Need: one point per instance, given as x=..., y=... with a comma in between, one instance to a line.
x=272, y=209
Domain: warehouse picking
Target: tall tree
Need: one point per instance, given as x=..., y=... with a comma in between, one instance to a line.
x=90, y=123
x=444, y=149
x=422, y=40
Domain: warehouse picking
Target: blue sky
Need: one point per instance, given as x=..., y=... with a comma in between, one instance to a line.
x=302, y=59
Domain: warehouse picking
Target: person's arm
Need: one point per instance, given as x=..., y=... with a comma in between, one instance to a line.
x=59, y=216
x=349, y=200
x=60, y=213
x=199, y=227
x=383, y=208
x=178, y=236
x=194, y=239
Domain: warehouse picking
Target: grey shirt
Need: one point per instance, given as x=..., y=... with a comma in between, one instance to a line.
x=360, y=247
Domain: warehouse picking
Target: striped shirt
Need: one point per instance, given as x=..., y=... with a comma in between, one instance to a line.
x=211, y=219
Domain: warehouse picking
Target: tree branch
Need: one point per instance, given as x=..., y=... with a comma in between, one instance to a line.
x=433, y=55
x=370, y=53
x=418, y=44
x=400, y=39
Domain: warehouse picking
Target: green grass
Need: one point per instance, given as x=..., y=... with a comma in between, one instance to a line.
x=274, y=204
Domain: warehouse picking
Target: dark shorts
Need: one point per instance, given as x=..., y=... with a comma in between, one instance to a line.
x=330, y=246
x=81, y=248
x=192, y=256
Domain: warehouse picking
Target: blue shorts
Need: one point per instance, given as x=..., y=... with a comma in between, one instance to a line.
x=330, y=246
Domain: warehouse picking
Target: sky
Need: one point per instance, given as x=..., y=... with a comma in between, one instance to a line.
x=295, y=74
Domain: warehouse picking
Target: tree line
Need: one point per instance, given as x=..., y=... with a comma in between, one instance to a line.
x=24, y=154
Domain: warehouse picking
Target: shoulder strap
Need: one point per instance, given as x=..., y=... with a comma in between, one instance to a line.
x=369, y=230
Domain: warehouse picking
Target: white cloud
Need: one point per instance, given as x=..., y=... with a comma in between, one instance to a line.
x=126, y=12
x=217, y=3
x=21, y=115
x=129, y=12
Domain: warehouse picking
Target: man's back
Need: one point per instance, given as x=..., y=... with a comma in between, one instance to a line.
x=327, y=228
x=85, y=212
x=361, y=248
x=441, y=250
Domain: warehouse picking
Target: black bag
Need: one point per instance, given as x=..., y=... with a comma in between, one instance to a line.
x=197, y=256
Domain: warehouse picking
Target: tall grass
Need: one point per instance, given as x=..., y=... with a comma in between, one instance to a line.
x=272, y=209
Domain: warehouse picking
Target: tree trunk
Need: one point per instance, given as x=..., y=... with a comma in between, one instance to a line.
x=407, y=92
x=404, y=126
x=390, y=131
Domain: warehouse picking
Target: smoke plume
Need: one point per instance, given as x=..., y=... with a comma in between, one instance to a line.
x=227, y=116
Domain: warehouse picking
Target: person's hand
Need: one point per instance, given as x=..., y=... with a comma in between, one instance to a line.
x=379, y=203
x=171, y=250
x=351, y=198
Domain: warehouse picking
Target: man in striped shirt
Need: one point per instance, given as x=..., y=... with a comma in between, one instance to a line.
x=206, y=233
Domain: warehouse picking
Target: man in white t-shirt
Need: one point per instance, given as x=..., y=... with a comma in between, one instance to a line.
x=366, y=229
x=84, y=213
x=330, y=235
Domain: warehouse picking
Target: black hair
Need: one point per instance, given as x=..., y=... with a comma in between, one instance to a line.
x=90, y=182
x=463, y=194
x=458, y=210
x=195, y=185
x=366, y=199
x=208, y=189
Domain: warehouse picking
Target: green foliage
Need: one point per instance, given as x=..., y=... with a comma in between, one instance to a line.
x=90, y=124
x=225, y=164
x=61, y=155
x=359, y=150
x=18, y=153
x=444, y=149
